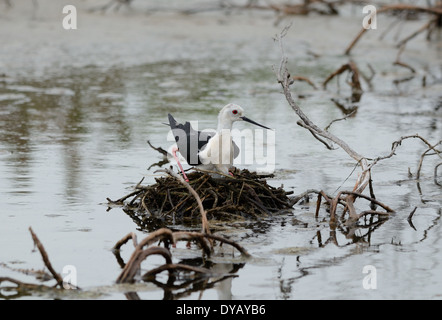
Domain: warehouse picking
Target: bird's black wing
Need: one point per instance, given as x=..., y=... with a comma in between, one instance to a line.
x=235, y=150
x=188, y=140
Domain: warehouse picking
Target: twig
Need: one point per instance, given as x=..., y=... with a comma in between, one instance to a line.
x=204, y=222
x=140, y=253
x=400, y=63
x=387, y=208
x=121, y=200
x=183, y=235
x=295, y=199
x=45, y=257
x=404, y=7
x=313, y=132
x=351, y=67
x=159, y=149
x=435, y=174
x=417, y=32
x=378, y=213
x=126, y=238
x=433, y=147
x=340, y=119
x=24, y=285
x=283, y=78
x=305, y=79
x=397, y=143
x=173, y=267
x=132, y=267
x=410, y=216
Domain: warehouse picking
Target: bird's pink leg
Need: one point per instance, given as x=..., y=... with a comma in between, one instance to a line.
x=174, y=150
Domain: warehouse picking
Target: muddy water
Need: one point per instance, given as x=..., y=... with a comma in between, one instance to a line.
x=74, y=126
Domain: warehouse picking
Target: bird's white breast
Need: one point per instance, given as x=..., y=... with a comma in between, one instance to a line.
x=219, y=149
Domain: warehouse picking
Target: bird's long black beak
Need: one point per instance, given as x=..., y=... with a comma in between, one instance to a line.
x=256, y=123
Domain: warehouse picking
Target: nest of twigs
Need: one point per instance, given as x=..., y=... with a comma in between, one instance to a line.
x=246, y=195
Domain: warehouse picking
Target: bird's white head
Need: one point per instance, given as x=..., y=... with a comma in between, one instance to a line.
x=231, y=113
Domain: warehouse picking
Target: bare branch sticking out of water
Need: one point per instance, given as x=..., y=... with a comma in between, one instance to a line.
x=25, y=287
x=283, y=77
x=364, y=178
x=165, y=235
x=436, y=10
x=45, y=257
x=204, y=238
x=410, y=217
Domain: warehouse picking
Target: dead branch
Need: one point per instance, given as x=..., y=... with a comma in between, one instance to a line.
x=305, y=194
x=172, y=267
x=355, y=84
x=205, y=239
x=351, y=67
x=189, y=236
x=373, y=212
x=398, y=7
x=426, y=26
x=204, y=222
x=45, y=257
x=313, y=132
x=122, y=241
x=116, y=3
x=410, y=216
x=159, y=149
x=346, y=198
x=340, y=119
x=23, y=286
x=435, y=174
x=308, y=6
x=397, y=143
x=140, y=254
x=305, y=79
x=372, y=200
x=346, y=109
x=283, y=77
x=426, y=153
x=132, y=267
x=397, y=62
x=130, y=235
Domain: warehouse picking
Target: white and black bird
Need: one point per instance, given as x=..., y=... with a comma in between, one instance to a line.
x=209, y=150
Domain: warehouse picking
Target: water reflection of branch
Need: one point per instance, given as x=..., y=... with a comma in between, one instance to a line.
x=350, y=231
x=198, y=284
